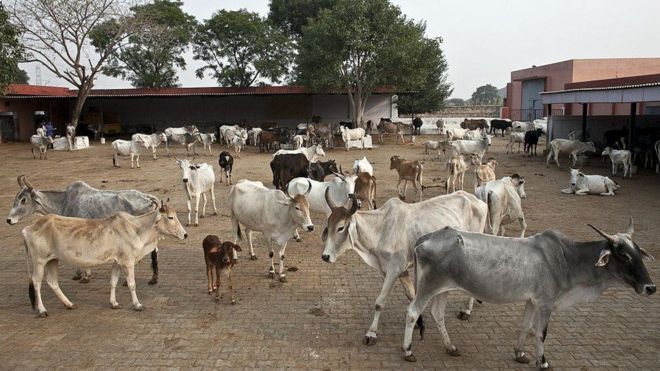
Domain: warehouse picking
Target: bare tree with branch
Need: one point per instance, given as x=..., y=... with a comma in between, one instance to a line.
x=58, y=33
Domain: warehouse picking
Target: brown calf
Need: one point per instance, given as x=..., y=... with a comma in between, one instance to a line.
x=365, y=189
x=219, y=257
x=408, y=171
x=483, y=172
x=456, y=168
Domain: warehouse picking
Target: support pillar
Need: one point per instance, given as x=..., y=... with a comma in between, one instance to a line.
x=585, y=107
x=633, y=119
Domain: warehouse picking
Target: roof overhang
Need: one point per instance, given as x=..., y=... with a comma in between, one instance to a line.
x=613, y=94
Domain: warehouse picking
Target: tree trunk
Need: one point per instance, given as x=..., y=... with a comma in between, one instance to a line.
x=83, y=92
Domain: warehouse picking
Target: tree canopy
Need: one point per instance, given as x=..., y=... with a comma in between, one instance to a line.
x=240, y=49
x=485, y=95
x=359, y=45
x=152, y=56
x=291, y=16
x=11, y=52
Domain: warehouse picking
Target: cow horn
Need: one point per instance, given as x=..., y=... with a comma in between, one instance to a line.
x=176, y=158
x=328, y=200
x=354, y=206
x=20, y=181
x=27, y=183
x=610, y=238
x=310, y=187
x=286, y=190
x=631, y=227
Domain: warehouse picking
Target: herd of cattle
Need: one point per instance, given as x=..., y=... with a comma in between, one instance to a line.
x=433, y=246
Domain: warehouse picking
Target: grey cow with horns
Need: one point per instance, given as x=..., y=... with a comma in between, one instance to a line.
x=549, y=271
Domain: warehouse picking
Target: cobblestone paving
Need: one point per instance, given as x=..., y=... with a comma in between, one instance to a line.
x=318, y=318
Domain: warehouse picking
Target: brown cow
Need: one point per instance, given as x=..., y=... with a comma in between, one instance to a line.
x=365, y=189
x=408, y=171
x=474, y=124
x=268, y=140
x=219, y=257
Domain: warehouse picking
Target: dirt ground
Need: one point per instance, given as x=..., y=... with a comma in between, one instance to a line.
x=318, y=318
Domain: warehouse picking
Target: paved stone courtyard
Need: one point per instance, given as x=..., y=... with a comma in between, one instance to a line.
x=318, y=318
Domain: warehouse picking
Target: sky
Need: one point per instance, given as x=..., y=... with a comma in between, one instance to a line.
x=487, y=39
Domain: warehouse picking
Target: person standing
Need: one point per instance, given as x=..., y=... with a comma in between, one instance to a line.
x=71, y=136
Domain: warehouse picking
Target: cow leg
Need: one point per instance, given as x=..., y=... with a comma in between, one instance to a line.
x=52, y=280
x=438, y=305
x=37, y=277
x=154, y=267
x=271, y=254
x=33, y=155
x=210, y=282
x=390, y=277
x=189, y=204
x=231, y=286
x=398, y=187
x=137, y=160
x=203, y=205
x=464, y=315
x=409, y=290
x=541, y=330
x=281, y=273
x=528, y=317
x=130, y=279
x=523, y=226
x=153, y=150
x=249, y=237
x=415, y=309
x=114, y=278
x=405, y=189
x=218, y=273
x=215, y=208
x=86, y=275
x=296, y=235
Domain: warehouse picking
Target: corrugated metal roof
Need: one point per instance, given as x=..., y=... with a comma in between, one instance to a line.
x=617, y=87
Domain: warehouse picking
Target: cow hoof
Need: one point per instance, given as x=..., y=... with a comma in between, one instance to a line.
x=271, y=274
x=282, y=279
x=196, y=225
x=210, y=292
x=84, y=280
x=523, y=358
x=454, y=352
x=73, y=306
x=298, y=239
x=215, y=213
x=201, y=216
x=544, y=366
x=77, y=276
x=463, y=316
x=138, y=308
x=233, y=301
x=253, y=257
x=370, y=340
x=410, y=358
x=153, y=281
x=43, y=314
x=115, y=306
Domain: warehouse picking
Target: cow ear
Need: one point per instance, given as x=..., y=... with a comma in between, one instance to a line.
x=604, y=257
x=285, y=202
x=324, y=235
x=521, y=181
x=237, y=248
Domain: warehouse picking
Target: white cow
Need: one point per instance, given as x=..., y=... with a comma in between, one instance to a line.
x=253, y=136
x=582, y=184
x=473, y=135
x=122, y=240
x=362, y=165
x=619, y=157
x=207, y=140
x=435, y=145
x=150, y=141
x=198, y=179
x=271, y=212
x=338, y=187
x=521, y=126
x=239, y=141
x=471, y=147
x=455, y=134
x=504, y=199
x=573, y=147
x=312, y=153
x=517, y=137
x=299, y=140
x=40, y=143
x=348, y=135
x=126, y=148
x=228, y=132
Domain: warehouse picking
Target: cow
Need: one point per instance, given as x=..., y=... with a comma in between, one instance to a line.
x=321, y=132
x=365, y=189
x=239, y=141
x=207, y=140
x=319, y=170
x=219, y=258
x=442, y=145
x=504, y=125
x=188, y=137
x=253, y=136
x=504, y=199
x=150, y=141
x=515, y=137
x=40, y=143
x=226, y=163
x=80, y=200
x=485, y=172
x=582, y=184
x=121, y=239
x=338, y=187
x=71, y=136
x=520, y=126
x=440, y=124
x=130, y=148
x=455, y=134
x=347, y=135
x=386, y=126
x=363, y=165
x=268, y=140
x=288, y=166
x=272, y=212
x=471, y=147
x=619, y=157
x=573, y=147
x=299, y=140
x=548, y=271
x=474, y=124
x=383, y=243
x=228, y=132
x=197, y=181
x=532, y=140
x=312, y=153
x=408, y=171
x=473, y=135
x=456, y=168
x=417, y=123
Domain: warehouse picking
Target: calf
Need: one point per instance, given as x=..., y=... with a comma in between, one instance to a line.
x=219, y=257
x=436, y=145
x=456, y=168
x=238, y=141
x=126, y=148
x=226, y=162
x=207, y=140
x=504, y=197
x=408, y=171
x=532, y=140
x=582, y=184
x=365, y=189
x=515, y=137
x=40, y=143
x=198, y=180
x=485, y=172
x=619, y=157
x=573, y=147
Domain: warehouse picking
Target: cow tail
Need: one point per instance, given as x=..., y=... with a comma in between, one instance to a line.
x=488, y=218
x=31, y=292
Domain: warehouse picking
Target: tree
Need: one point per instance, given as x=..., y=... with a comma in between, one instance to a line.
x=484, y=95
x=151, y=57
x=359, y=45
x=291, y=16
x=11, y=51
x=57, y=34
x=241, y=49
x=456, y=102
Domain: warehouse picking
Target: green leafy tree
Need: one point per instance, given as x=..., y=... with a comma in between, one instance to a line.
x=151, y=57
x=485, y=95
x=11, y=52
x=456, y=102
x=359, y=45
x=239, y=49
x=291, y=16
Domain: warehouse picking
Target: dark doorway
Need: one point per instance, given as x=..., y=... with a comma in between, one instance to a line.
x=7, y=127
